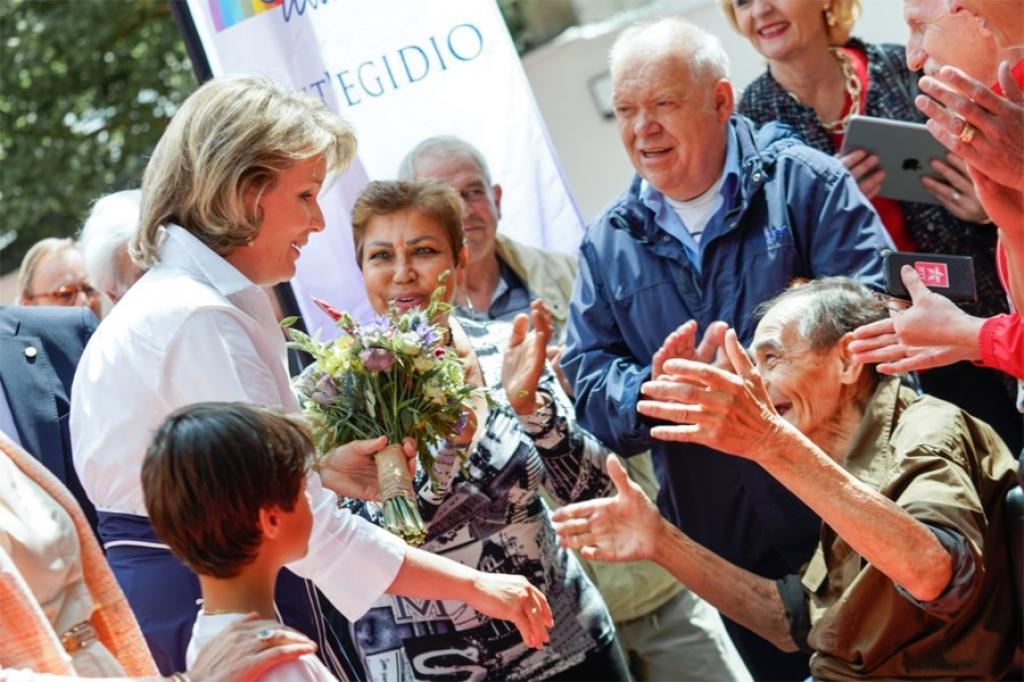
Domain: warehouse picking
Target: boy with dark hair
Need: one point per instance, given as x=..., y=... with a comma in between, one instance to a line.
x=224, y=485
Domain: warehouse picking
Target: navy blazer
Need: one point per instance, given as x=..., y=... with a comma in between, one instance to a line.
x=37, y=383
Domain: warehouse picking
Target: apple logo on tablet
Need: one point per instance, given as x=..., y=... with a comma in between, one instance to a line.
x=911, y=164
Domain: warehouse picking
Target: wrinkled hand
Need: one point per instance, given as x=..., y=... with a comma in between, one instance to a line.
x=237, y=654
x=350, y=470
x=956, y=189
x=681, y=344
x=997, y=149
x=865, y=169
x=525, y=356
x=932, y=332
x=731, y=412
x=555, y=354
x=513, y=598
x=620, y=528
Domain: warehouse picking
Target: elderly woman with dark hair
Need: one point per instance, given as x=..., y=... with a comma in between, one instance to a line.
x=484, y=508
x=909, y=578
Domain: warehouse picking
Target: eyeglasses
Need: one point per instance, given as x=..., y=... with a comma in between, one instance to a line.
x=69, y=292
x=892, y=303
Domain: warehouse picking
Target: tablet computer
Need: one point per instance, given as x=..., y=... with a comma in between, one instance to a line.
x=904, y=150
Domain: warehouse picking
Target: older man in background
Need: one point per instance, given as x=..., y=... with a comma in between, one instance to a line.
x=719, y=219
x=104, y=242
x=502, y=275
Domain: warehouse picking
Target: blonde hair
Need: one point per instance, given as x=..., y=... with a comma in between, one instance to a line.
x=38, y=252
x=844, y=12
x=231, y=137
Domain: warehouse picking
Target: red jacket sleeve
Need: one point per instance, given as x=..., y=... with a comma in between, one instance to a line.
x=1001, y=342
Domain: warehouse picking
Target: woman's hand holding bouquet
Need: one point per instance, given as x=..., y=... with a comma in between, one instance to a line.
x=393, y=376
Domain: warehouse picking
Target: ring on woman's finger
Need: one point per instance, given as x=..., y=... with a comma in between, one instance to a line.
x=265, y=634
x=532, y=611
x=967, y=134
x=956, y=197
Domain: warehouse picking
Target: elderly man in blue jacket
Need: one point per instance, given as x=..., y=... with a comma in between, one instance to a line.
x=719, y=218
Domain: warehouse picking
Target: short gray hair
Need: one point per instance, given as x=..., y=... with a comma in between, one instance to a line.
x=104, y=238
x=704, y=55
x=834, y=307
x=443, y=146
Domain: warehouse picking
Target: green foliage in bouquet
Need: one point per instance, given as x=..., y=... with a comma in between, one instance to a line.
x=393, y=375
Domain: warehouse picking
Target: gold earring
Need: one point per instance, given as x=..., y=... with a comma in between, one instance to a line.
x=830, y=18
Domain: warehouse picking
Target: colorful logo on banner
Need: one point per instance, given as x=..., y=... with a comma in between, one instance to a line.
x=227, y=13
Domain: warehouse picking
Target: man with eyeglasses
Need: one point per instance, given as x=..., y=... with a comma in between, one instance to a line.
x=42, y=340
x=53, y=273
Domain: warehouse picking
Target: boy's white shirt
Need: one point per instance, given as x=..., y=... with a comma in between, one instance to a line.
x=306, y=668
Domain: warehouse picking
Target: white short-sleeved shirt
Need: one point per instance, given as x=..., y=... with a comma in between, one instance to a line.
x=306, y=668
x=195, y=329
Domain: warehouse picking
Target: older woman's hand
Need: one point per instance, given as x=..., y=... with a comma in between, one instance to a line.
x=933, y=332
x=247, y=648
x=350, y=470
x=731, y=412
x=996, y=147
x=956, y=189
x=620, y=528
x=865, y=169
x=525, y=356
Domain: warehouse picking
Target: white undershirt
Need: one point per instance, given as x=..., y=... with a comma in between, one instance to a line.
x=695, y=213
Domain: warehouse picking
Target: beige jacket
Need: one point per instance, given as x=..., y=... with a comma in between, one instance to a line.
x=549, y=275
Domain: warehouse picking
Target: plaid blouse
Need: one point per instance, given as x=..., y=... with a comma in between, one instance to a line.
x=891, y=93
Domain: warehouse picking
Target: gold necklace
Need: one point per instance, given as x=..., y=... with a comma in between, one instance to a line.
x=853, y=90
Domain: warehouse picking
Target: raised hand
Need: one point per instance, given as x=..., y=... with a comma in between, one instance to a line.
x=620, y=528
x=555, y=354
x=525, y=356
x=350, y=470
x=996, y=145
x=932, y=332
x=727, y=411
x=513, y=598
x=682, y=344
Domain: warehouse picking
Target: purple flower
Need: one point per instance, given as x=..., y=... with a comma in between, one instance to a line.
x=428, y=335
x=377, y=359
x=326, y=386
x=376, y=329
x=461, y=424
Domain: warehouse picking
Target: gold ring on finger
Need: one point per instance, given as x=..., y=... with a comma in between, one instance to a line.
x=967, y=134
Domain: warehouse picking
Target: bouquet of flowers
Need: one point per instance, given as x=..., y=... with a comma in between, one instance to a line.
x=393, y=375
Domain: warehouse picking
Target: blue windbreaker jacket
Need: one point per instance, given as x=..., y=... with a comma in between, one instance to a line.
x=796, y=213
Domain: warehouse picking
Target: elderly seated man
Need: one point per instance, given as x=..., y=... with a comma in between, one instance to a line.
x=910, y=577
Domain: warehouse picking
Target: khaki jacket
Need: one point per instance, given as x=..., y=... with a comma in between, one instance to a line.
x=549, y=275
x=946, y=469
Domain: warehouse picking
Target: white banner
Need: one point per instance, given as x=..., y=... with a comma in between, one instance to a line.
x=399, y=71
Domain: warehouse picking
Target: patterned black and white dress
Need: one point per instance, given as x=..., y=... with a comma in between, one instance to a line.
x=488, y=514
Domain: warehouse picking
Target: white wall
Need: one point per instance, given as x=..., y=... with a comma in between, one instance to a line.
x=588, y=145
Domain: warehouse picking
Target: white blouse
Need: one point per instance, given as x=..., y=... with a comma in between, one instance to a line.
x=195, y=329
